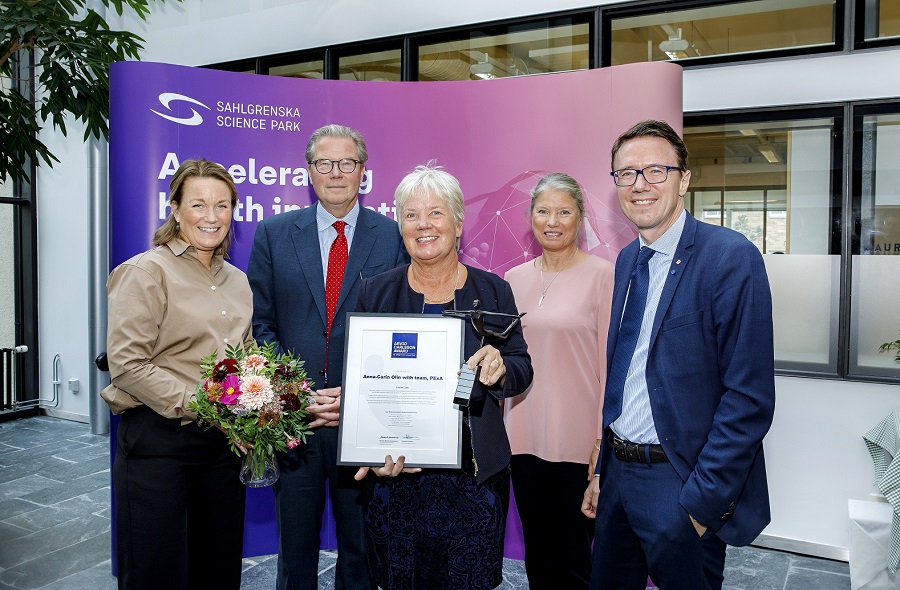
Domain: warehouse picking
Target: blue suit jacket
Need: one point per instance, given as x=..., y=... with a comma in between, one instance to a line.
x=285, y=273
x=710, y=376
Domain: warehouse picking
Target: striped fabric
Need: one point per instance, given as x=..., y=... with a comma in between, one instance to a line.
x=883, y=442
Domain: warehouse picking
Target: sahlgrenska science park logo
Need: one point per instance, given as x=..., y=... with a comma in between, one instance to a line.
x=180, y=109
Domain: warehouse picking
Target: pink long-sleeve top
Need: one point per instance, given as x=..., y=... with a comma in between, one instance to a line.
x=558, y=418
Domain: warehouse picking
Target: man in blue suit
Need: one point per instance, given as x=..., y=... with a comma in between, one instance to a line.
x=690, y=390
x=305, y=269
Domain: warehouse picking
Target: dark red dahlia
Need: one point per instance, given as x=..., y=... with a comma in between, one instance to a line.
x=224, y=368
x=291, y=402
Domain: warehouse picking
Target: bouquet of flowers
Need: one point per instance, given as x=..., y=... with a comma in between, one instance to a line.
x=256, y=397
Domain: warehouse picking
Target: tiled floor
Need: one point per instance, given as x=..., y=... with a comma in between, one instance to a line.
x=55, y=527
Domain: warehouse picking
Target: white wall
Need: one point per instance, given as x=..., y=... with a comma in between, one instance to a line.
x=816, y=458
x=62, y=212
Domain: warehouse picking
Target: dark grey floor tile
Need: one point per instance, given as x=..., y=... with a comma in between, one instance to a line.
x=58, y=565
x=514, y=577
x=6, y=447
x=66, y=471
x=327, y=563
x=41, y=517
x=10, y=531
x=12, y=506
x=260, y=575
x=21, y=470
x=825, y=565
x=58, y=493
x=42, y=460
x=25, y=485
x=98, y=577
x=37, y=428
x=101, y=496
x=755, y=569
x=46, y=517
x=54, y=539
x=46, y=448
x=92, y=450
x=15, y=435
x=808, y=579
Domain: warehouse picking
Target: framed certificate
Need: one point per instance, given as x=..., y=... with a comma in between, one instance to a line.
x=400, y=376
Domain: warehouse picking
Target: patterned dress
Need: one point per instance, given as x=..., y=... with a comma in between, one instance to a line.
x=438, y=529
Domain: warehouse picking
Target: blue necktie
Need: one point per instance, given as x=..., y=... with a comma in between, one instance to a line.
x=629, y=330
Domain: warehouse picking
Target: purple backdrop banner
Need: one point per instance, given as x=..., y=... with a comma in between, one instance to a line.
x=498, y=137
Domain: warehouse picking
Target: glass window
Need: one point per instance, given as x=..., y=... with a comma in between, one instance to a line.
x=377, y=66
x=875, y=308
x=774, y=181
x=483, y=53
x=243, y=66
x=720, y=30
x=302, y=69
x=880, y=20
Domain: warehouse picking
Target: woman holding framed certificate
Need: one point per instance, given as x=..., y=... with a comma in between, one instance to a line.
x=444, y=528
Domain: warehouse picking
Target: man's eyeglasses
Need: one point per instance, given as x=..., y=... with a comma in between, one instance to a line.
x=345, y=165
x=652, y=174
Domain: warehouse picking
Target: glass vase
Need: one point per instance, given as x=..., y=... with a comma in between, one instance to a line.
x=259, y=470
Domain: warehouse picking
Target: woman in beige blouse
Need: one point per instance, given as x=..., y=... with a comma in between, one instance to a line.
x=179, y=503
x=554, y=426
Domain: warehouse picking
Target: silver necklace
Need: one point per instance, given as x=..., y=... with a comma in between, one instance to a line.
x=422, y=291
x=543, y=289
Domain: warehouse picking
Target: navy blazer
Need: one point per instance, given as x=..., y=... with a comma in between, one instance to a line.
x=710, y=375
x=285, y=273
x=390, y=293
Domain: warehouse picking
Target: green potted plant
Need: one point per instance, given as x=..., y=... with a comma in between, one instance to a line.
x=895, y=345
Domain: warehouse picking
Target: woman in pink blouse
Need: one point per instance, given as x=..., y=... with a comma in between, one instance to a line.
x=554, y=427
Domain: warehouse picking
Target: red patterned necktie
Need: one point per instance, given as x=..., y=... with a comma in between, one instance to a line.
x=337, y=260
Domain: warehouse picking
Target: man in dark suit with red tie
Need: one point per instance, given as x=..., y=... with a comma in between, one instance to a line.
x=305, y=269
x=690, y=391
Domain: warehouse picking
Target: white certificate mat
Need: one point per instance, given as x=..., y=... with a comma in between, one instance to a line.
x=400, y=373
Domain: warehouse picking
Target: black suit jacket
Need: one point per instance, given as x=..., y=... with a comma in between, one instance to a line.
x=390, y=293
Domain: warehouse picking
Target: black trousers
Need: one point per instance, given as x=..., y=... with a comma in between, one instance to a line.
x=299, y=505
x=557, y=535
x=179, y=505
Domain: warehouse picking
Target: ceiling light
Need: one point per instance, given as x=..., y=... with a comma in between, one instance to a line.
x=769, y=153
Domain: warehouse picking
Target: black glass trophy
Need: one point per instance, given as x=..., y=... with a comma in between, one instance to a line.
x=467, y=376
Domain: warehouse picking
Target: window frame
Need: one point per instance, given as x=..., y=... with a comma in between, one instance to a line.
x=838, y=353
x=857, y=113
x=629, y=9
x=25, y=267
x=362, y=47
x=859, y=29
x=586, y=16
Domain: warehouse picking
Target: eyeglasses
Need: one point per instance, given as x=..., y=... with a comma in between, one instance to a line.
x=652, y=174
x=345, y=165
